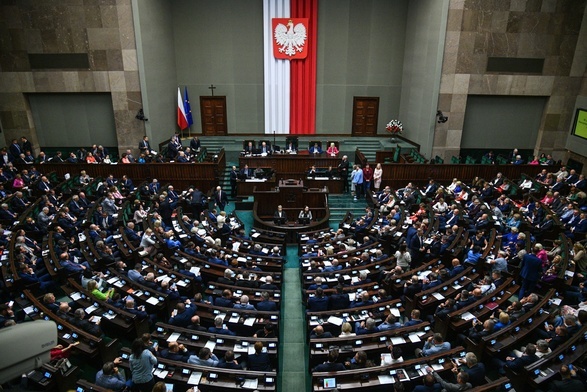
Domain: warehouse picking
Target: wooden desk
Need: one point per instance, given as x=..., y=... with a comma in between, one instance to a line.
x=246, y=187
x=295, y=166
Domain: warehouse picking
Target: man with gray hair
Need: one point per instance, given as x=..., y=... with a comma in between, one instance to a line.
x=366, y=327
x=244, y=304
x=474, y=369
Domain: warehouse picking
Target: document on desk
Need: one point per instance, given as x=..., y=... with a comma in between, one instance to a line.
x=256, y=235
x=395, y=312
x=234, y=318
x=249, y=321
x=195, y=378
x=386, y=379
x=414, y=338
x=438, y=296
x=161, y=373
x=75, y=296
x=467, y=316
x=210, y=344
x=335, y=320
x=397, y=340
x=251, y=383
x=239, y=348
x=173, y=337
x=112, y=280
x=91, y=309
x=437, y=367
x=152, y=301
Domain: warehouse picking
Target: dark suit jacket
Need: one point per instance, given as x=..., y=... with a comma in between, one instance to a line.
x=259, y=362
x=339, y=301
x=317, y=304
x=183, y=319
x=329, y=367
x=531, y=268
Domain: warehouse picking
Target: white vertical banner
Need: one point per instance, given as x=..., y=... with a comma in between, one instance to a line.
x=276, y=72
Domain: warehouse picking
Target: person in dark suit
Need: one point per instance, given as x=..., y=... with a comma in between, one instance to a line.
x=220, y=198
x=259, y=361
x=319, y=302
x=412, y=287
x=249, y=148
x=219, y=327
x=183, y=316
x=531, y=271
x=568, y=383
x=266, y=305
x=517, y=364
x=280, y=217
x=144, y=146
x=474, y=369
x=265, y=148
x=228, y=362
x=339, y=300
x=331, y=364
x=15, y=150
x=83, y=324
x=195, y=144
x=233, y=179
x=246, y=172
x=318, y=333
x=225, y=301
x=175, y=352
x=315, y=149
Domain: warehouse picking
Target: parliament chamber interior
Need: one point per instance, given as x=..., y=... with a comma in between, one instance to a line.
x=360, y=195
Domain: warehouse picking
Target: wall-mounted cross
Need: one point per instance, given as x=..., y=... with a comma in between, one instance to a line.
x=212, y=88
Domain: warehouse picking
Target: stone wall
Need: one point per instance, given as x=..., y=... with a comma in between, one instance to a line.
x=103, y=29
x=479, y=29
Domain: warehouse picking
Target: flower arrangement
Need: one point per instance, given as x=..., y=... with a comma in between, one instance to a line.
x=395, y=127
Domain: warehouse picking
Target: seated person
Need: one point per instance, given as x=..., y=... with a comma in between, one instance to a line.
x=305, y=216
x=290, y=146
x=280, y=217
x=316, y=149
x=264, y=148
x=245, y=173
x=249, y=148
x=332, y=150
x=312, y=172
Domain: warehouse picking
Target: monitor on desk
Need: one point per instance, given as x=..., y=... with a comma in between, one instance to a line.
x=304, y=221
x=330, y=383
x=279, y=221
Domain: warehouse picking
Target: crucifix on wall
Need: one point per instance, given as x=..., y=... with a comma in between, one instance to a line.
x=212, y=88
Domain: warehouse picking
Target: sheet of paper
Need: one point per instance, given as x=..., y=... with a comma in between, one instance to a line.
x=112, y=280
x=152, y=301
x=249, y=321
x=256, y=235
x=414, y=338
x=395, y=312
x=195, y=378
x=211, y=345
x=75, y=296
x=234, y=318
x=437, y=367
x=385, y=379
x=335, y=320
x=173, y=337
x=397, y=340
x=91, y=309
x=438, y=296
x=467, y=316
x=251, y=383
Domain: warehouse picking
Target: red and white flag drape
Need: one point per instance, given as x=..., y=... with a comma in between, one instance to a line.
x=290, y=65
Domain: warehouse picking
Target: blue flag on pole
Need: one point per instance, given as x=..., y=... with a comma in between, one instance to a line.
x=187, y=108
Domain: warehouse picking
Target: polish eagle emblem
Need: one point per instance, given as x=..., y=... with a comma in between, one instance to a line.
x=290, y=39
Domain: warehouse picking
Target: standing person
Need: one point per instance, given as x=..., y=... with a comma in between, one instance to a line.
x=343, y=169
x=367, y=178
x=142, y=362
x=233, y=178
x=195, y=144
x=357, y=181
x=144, y=146
x=530, y=272
x=377, y=176
x=221, y=199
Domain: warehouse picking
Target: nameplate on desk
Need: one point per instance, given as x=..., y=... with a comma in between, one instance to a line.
x=256, y=180
x=321, y=178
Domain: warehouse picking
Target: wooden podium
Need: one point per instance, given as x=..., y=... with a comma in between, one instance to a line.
x=293, y=196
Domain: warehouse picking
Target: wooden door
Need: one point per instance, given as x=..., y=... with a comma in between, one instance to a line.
x=213, y=111
x=365, y=113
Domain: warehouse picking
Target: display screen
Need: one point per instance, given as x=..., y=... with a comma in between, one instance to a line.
x=580, y=124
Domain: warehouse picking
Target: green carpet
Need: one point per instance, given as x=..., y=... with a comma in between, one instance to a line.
x=293, y=353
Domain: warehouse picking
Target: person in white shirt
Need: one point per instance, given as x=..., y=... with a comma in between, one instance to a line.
x=440, y=206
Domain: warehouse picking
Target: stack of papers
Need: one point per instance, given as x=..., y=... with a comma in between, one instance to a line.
x=195, y=378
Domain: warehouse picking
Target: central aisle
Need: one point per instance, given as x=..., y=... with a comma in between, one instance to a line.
x=293, y=372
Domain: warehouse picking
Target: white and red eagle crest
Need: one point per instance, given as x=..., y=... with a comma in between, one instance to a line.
x=289, y=38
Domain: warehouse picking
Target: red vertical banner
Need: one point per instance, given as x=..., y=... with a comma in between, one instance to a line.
x=303, y=72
